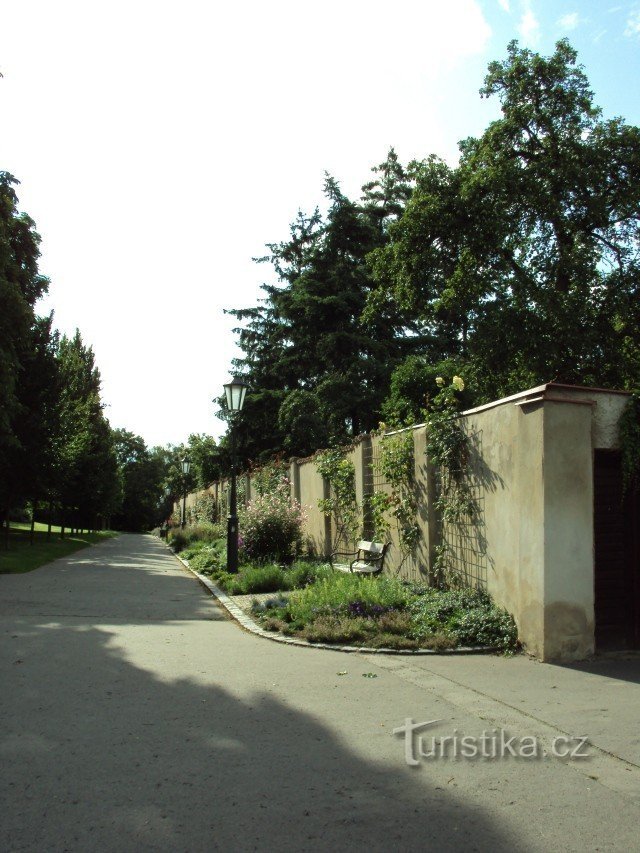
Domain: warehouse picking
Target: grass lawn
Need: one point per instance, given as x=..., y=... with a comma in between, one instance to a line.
x=24, y=557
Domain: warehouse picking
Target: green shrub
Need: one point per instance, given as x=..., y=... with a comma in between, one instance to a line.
x=253, y=579
x=302, y=573
x=177, y=539
x=205, y=531
x=468, y=617
x=211, y=556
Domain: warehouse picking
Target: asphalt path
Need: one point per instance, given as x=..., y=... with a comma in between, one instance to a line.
x=136, y=716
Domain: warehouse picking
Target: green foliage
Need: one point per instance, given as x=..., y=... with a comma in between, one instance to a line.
x=340, y=590
x=321, y=373
x=396, y=465
x=523, y=260
x=303, y=423
x=195, y=536
x=342, y=505
x=408, y=401
x=88, y=481
x=270, y=477
x=204, y=509
x=448, y=449
x=28, y=382
x=271, y=526
x=141, y=474
x=630, y=444
x=177, y=539
x=206, y=458
x=386, y=613
x=468, y=616
x=271, y=577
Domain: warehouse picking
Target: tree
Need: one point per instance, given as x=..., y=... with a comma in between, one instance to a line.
x=206, y=458
x=23, y=346
x=385, y=197
x=306, y=341
x=141, y=474
x=523, y=260
x=87, y=468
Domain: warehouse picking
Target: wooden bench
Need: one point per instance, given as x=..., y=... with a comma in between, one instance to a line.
x=368, y=558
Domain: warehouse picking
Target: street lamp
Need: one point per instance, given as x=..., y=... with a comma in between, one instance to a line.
x=186, y=466
x=235, y=392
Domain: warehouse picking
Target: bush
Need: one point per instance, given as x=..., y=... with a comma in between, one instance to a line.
x=271, y=526
x=177, y=539
x=205, y=531
x=467, y=616
x=209, y=556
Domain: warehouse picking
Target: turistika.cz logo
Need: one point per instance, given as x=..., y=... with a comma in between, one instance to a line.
x=491, y=745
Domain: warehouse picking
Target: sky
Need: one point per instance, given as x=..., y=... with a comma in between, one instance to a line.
x=160, y=145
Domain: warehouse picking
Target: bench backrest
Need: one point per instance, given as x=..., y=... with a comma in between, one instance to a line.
x=371, y=547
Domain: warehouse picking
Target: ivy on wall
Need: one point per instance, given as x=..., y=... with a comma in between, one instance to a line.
x=448, y=449
x=395, y=465
x=342, y=505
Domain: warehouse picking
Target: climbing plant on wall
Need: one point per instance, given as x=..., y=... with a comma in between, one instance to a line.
x=395, y=465
x=448, y=449
x=341, y=505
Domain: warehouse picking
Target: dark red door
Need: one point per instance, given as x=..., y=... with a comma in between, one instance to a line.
x=617, y=556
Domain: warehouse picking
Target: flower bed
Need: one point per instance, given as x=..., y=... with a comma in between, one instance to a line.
x=375, y=612
x=383, y=612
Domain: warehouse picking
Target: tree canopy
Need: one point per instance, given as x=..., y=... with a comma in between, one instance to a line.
x=522, y=261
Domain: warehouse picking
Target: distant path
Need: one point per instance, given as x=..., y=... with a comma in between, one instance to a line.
x=137, y=717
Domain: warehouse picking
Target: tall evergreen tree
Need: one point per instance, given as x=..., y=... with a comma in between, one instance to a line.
x=89, y=484
x=306, y=343
x=23, y=351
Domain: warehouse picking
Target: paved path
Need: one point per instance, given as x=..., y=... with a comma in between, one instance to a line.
x=137, y=717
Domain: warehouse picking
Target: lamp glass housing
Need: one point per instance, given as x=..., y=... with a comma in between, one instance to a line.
x=186, y=466
x=235, y=392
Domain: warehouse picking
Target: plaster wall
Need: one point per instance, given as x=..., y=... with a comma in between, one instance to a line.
x=568, y=530
x=312, y=489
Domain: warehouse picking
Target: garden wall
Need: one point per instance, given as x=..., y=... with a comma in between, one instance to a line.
x=530, y=540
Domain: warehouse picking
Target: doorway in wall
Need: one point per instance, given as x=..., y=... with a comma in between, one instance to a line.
x=616, y=557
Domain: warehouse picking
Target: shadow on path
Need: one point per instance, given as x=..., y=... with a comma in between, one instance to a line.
x=101, y=754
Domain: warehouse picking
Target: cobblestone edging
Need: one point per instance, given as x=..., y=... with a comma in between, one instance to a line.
x=250, y=625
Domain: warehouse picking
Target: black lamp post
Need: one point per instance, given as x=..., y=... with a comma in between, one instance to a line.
x=186, y=466
x=235, y=392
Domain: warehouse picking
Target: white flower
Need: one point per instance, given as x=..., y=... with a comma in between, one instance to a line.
x=458, y=383
x=439, y=381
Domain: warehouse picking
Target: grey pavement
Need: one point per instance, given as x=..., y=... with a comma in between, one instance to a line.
x=136, y=716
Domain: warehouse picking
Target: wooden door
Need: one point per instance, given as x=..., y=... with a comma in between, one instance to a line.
x=617, y=556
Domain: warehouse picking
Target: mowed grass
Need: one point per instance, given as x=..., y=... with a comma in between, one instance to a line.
x=24, y=557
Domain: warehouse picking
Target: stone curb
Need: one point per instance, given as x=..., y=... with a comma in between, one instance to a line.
x=249, y=625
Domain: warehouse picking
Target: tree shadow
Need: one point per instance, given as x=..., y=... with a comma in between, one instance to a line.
x=103, y=753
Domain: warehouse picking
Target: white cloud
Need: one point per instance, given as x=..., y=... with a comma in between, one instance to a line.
x=633, y=24
x=569, y=21
x=505, y=5
x=529, y=27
